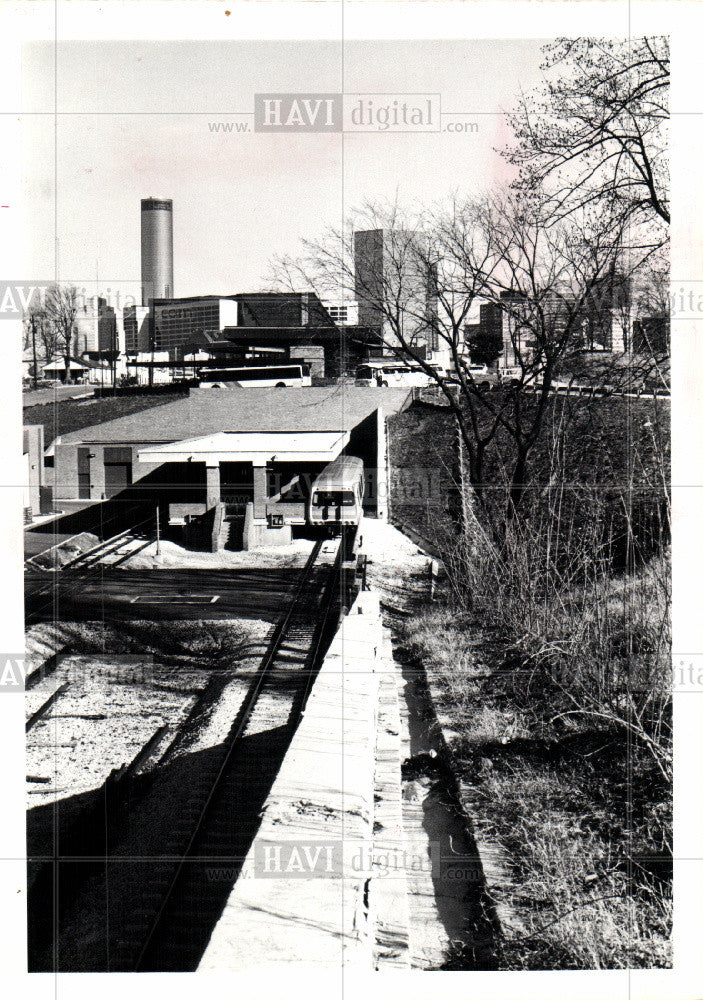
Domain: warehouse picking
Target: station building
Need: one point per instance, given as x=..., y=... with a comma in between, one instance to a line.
x=252, y=453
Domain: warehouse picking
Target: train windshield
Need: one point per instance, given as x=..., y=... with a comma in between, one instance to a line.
x=333, y=498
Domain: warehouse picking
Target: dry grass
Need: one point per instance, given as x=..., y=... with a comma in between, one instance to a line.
x=552, y=663
x=579, y=904
x=599, y=643
x=573, y=808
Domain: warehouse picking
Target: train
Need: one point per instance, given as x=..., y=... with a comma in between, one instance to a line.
x=337, y=495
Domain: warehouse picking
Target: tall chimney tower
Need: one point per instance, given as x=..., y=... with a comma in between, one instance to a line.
x=157, y=249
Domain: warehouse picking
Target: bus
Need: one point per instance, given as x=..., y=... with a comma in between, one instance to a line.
x=391, y=373
x=255, y=377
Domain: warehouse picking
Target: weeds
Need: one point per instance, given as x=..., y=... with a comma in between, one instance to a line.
x=552, y=662
x=583, y=815
x=582, y=587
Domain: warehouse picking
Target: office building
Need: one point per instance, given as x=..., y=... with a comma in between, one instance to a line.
x=181, y=322
x=387, y=270
x=136, y=322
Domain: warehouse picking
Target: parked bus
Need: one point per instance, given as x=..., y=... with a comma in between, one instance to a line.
x=255, y=377
x=391, y=373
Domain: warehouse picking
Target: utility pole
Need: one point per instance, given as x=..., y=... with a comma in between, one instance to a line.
x=152, y=342
x=33, y=321
x=158, y=533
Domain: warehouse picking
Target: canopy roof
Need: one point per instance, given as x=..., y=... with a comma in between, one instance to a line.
x=251, y=446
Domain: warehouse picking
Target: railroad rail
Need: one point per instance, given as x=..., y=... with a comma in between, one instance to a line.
x=171, y=906
x=84, y=569
x=45, y=707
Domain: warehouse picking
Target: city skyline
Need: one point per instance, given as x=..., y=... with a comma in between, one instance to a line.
x=116, y=144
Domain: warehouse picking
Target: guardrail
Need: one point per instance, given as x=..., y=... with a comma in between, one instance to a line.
x=434, y=396
x=606, y=391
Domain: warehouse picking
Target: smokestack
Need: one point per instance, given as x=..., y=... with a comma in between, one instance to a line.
x=157, y=249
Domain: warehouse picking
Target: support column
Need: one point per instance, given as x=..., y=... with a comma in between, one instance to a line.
x=259, y=491
x=97, y=473
x=212, y=480
x=382, y=483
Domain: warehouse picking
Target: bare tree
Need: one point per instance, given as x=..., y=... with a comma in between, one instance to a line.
x=61, y=311
x=47, y=335
x=596, y=132
x=420, y=289
x=652, y=294
x=34, y=323
x=537, y=272
x=547, y=277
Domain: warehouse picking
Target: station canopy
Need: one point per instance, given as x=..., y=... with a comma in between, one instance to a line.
x=257, y=447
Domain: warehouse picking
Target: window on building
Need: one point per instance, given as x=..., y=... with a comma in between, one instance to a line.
x=338, y=313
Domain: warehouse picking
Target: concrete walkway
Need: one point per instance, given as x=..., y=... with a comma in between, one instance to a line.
x=303, y=895
x=363, y=858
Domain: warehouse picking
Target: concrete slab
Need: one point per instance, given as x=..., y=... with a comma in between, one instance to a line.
x=303, y=894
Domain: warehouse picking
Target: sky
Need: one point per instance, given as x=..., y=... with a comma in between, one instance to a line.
x=108, y=123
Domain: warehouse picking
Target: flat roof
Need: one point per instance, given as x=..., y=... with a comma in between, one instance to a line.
x=205, y=412
x=253, y=446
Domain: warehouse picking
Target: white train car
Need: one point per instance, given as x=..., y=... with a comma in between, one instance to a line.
x=336, y=496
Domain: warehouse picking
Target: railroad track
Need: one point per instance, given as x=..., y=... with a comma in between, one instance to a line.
x=81, y=571
x=171, y=903
x=45, y=707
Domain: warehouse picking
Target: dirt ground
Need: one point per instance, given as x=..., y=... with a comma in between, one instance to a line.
x=173, y=556
x=123, y=685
